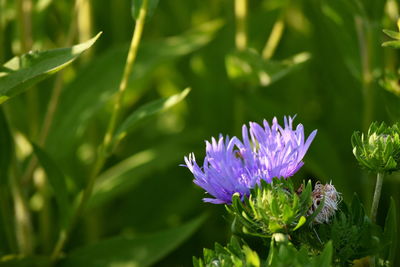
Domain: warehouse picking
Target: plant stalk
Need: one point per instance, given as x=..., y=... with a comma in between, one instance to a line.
x=274, y=38
x=377, y=196
x=107, y=142
x=241, y=26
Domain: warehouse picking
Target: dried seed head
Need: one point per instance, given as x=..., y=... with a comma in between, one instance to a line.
x=332, y=200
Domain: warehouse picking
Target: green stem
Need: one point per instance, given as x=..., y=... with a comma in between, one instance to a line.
x=240, y=18
x=274, y=38
x=2, y=33
x=7, y=215
x=377, y=196
x=107, y=142
x=23, y=225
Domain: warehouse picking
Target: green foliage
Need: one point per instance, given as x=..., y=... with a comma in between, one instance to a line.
x=148, y=110
x=388, y=254
x=247, y=67
x=379, y=150
x=283, y=253
x=395, y=35
x=132, y=251
x=20, y=73
x=6, y=149
x=57, y=181
x=272, y=208
x=351, y=232
x=140, y=189
x=24, y=261
x=234, y=254
x=100, y=81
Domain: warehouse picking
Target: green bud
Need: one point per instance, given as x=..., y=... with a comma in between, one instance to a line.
x=272, y=208
x=379, y=150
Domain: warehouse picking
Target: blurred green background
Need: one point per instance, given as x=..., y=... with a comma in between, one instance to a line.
x=337, y=90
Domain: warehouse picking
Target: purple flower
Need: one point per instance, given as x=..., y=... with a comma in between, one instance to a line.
x=232, y=166
x=224, y=171
x=276, y=151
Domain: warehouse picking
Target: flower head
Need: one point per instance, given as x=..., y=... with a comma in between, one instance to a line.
x=224, y=171
x=276, y=151
x=232, y=166
x=379, y=150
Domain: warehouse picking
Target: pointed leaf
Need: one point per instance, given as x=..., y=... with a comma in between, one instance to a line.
x=393, y=44
x=56, y=180
x=390, y=233
x=5, y=148
x=392, y=34
x=148, y=110
x=22, y=72
x=97, y=82
x=136, y=251
x=301, y=222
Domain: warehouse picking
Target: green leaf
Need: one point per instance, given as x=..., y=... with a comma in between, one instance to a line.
x=6, y=148
x=57, y=182
x=136, y=4
x=95, y=85
x=248, y=66
x=128, y=173
x=390, y=234
x=24, y=261
x=392, y=44
x=148, y=110
x=325, y=259
x=22, y=72
x=301, y=222
x=392, y=34
x=132, y=251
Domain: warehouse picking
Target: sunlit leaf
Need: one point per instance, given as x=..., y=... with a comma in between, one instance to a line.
x=148, y=110
x=132, y=251
x=95, y=85
x=392, y=34
x=22, y=72
x=392, y=44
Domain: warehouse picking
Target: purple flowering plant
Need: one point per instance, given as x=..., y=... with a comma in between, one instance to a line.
x=249, y=174
x=234, y=166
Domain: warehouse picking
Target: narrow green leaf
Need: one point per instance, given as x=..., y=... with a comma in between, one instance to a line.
x=390, y=233
x=56, y=180
x=392, y=34
x=311, y=218
x=22, y=72
x=95, y=84
x=325, y=259
x=148, y=110
x=135, y=251
x=128, y=173
x=136, y=4
x=393, y=44
x=6, y=148
x=301, y=222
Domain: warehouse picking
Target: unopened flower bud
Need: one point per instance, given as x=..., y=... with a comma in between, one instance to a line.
x=379, y=150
